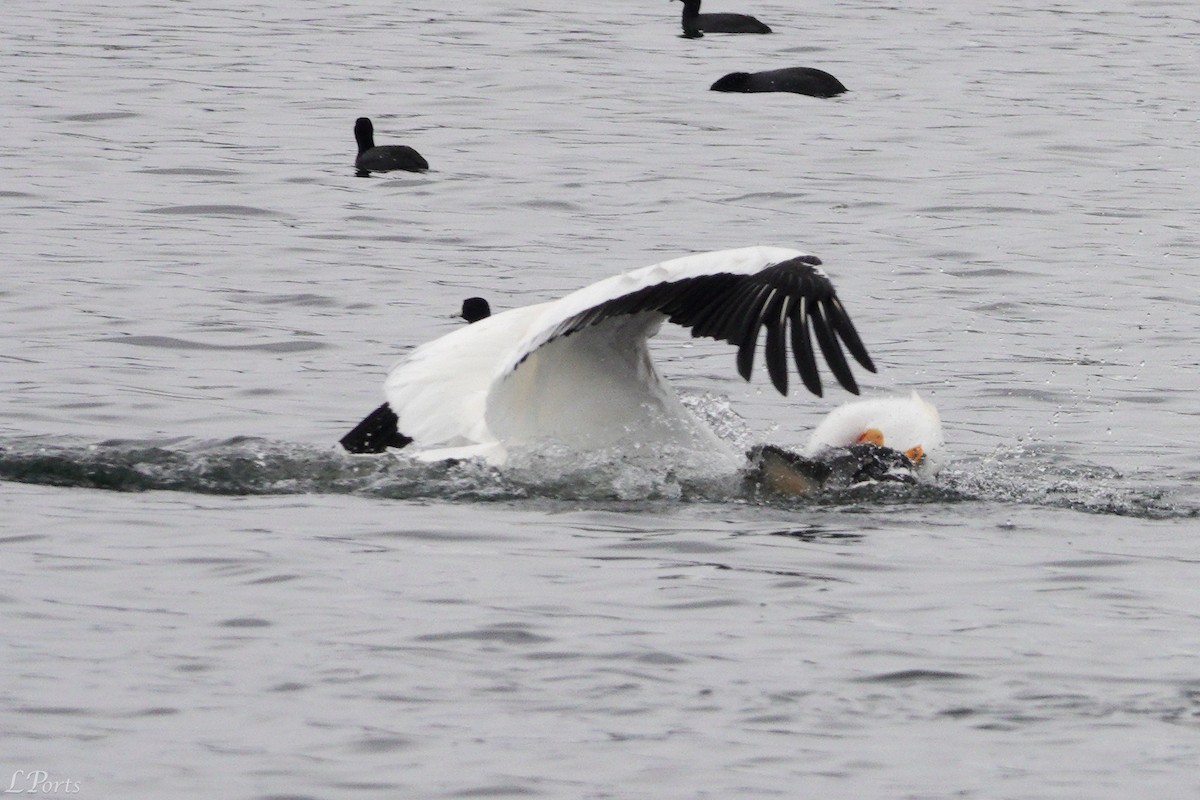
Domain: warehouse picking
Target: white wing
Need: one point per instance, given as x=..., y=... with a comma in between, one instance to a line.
x=439, y=392
x=577, y=370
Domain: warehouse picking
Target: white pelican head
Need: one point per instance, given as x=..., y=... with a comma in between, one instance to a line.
x=909, y=425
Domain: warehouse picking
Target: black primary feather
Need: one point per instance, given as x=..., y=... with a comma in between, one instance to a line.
x=376, y=433
x=735, y=308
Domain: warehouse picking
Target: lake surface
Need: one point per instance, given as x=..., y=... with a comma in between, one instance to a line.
x=203, y=597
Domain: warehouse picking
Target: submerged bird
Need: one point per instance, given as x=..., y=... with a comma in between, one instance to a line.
x=696, y=24
x=385, y=157
x=800, y=80
x=576, y=371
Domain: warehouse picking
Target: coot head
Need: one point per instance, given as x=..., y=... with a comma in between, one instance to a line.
x=475, y=309
x=364, y=134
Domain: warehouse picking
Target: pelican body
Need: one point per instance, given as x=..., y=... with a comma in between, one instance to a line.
x=576, y=371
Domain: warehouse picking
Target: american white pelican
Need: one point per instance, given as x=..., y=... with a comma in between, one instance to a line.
x=576, y=371
x=383, y=158
x=696, y=24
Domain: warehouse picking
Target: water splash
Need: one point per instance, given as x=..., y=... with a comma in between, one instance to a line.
x=250, y=466
x=1042, y=476
x=717, y=413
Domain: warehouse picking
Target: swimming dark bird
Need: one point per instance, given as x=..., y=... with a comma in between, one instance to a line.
x=576, y=371
x=384, y=158
x=801, y=80
x=696, y=24
x=475, y=309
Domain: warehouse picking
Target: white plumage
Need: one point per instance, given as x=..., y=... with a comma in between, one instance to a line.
x=576, y=371
x=907, y=424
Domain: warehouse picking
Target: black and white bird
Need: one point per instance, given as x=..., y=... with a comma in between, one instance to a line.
x=576, y=371
x=385, y=157
x=695, y=24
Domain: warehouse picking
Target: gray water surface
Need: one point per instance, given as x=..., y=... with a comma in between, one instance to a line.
x=201, y=596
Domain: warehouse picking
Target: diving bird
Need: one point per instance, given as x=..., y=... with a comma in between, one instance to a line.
x=384, y=157
x=695, y=24
x=576, y=371
x=799, y=80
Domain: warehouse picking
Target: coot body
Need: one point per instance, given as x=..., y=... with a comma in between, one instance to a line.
x=384, y=158
x=696, y=24
x=800, y=80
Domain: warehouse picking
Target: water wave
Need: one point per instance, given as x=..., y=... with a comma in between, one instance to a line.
x=252, y=466
x=1040, y=476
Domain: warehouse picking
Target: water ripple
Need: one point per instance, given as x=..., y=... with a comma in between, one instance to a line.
x=172, y=343
x=213, y=211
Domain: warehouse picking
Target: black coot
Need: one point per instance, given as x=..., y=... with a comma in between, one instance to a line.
x=801, y=80
x=384, y=158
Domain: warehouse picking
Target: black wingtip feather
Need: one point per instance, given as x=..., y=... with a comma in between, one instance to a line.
x=376, y=433
x=845, y=328
x=743, y=328
x=832, y=350
x=743, y=312
x=806, y=362
x=735, y=307
x=774, y=319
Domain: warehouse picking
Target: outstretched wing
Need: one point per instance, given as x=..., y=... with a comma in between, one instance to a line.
x=732, y=299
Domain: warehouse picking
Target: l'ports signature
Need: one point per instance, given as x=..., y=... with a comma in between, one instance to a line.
x=38, y=782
